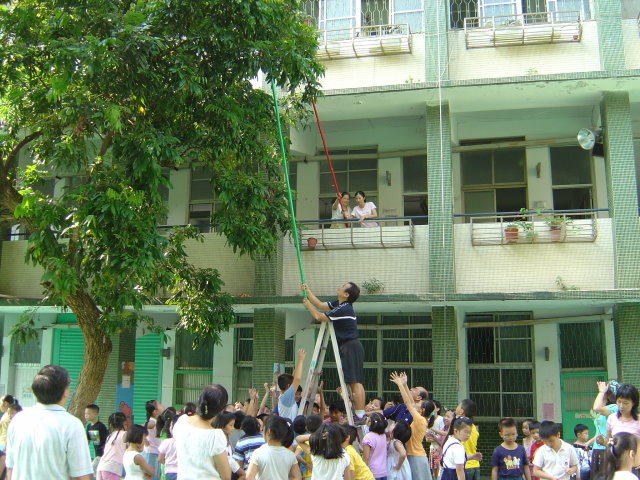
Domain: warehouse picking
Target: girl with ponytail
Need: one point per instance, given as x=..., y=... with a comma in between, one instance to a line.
x=375, y=446
x=202, y=449
x=621, y=457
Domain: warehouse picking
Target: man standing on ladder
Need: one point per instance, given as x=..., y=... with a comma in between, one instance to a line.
x=345, y=324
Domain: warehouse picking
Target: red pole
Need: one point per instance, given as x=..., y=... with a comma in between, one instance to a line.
x=326, y=152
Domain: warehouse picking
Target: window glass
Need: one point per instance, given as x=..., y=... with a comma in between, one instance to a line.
x=572, y=198
x=416, y=205
x=510, y=199
x=476, y=168
x=187, y=356
x=570, y=166
x=28, y=352
x=495, y=385
x=367, y=181
x=479, y=202
x=326, y=184
x=414, y=174
x=574, y=347
x=508, y=165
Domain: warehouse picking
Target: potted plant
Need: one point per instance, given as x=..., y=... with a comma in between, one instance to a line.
x=557, y=226
x=511, y=232
x=311, y=240
x=373, y=286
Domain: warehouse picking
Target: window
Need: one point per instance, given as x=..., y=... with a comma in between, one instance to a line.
x=571, y=178
x=391, y=342
x=28, y=352
x=494, y=180
x=583, y=351
x=243, y=333
x=414, y=173
x=351, y=175
x=202, y=201
x=193, y=368
x=511, y=11
x=500, y=361
x=341, y=19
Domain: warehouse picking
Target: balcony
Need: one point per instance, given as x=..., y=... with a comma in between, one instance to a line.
x=392, y=232
x=523, y=29
x=536, y=227
x=364, y=41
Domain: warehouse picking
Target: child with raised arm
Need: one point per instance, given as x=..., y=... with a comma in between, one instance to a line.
x=345, y=323
x=509, y=460
x=556, y=459
x=416, y=453
x=288, y=384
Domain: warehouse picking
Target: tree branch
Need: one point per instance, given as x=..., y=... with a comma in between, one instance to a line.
x=106, y=143
x=13, y=155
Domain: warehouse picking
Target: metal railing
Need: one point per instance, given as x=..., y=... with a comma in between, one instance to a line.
x=523, y=29
x=364, y=41
x=546, y=226
x=389, y=232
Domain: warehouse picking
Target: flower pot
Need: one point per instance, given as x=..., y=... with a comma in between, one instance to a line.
x=312, y=242
x=555, y=233
x=511, y=234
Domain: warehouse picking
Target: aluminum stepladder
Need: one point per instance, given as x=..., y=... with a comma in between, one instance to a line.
x=310, y=389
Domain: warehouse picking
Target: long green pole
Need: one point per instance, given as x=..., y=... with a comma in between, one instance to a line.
x=292, y=213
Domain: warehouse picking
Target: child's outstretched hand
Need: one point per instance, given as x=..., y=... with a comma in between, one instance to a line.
x=603, y=387
x=398, y=378
x=301, y=355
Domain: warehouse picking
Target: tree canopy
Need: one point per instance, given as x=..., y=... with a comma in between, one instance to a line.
x=116, y=93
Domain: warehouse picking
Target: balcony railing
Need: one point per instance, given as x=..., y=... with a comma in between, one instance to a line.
x=391, y=232
x=523, y=29
x=364, y=41
x=568, y=226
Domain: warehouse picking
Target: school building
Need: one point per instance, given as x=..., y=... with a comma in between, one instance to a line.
x=451, y=115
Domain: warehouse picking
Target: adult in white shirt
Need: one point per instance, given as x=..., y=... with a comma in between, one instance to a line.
x=45, y=441
x=364, y=210
x=202, y=449
x=341, y=210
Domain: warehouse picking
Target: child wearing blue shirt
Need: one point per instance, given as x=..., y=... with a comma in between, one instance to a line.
x=509, y=460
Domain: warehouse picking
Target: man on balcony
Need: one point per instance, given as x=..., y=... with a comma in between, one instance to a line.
x=345, y=324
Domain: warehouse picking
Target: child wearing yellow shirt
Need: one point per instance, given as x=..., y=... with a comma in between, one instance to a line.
x=360, y=469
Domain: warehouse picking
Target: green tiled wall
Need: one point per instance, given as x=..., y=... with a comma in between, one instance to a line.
x=627, y=323
x=444, y=331
x=268, y=344
x=441, y=264
x=436, y=40
x=607, y=14
x=622, y=187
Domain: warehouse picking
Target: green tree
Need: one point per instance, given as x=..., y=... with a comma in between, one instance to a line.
x=117, y=92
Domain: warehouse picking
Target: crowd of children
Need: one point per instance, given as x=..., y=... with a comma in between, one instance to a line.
x=214, y=439
x=246, y=441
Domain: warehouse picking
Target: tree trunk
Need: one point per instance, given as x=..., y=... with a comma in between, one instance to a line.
x=97, y=347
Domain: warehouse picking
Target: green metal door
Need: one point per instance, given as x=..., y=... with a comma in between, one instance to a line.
x=68, y=350
x=578, y=392
x=147, y=374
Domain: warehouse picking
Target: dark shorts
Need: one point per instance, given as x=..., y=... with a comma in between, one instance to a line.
x=352, y=357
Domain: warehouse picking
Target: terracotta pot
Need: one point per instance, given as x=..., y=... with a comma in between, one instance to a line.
x=511, y=234
x=555, y=232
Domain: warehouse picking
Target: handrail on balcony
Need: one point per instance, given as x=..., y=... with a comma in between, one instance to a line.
x=370, y=40
x=391, y=232
x=523, y=29
x=547, y=226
